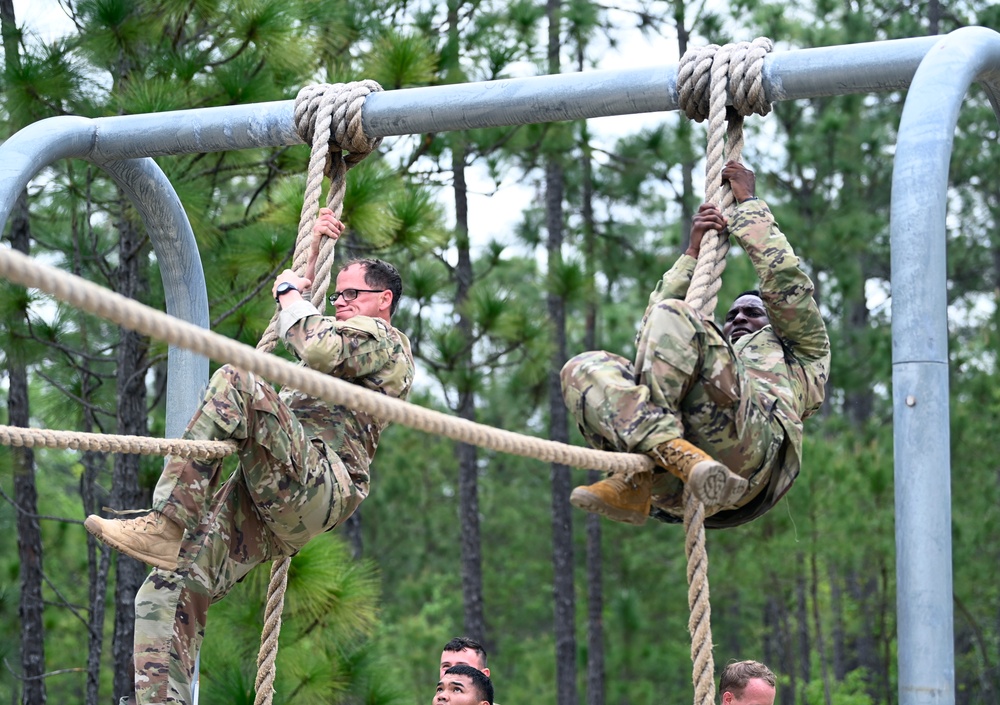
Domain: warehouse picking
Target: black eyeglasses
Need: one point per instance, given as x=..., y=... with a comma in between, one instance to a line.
x=351, y=294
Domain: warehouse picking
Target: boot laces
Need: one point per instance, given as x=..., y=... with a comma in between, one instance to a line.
x=144, y=520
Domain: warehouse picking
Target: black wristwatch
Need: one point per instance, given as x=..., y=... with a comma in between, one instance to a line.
x=284, y=288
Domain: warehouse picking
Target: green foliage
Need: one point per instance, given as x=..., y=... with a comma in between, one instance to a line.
x=399, y=61
x=356, y=635
x=328, y=614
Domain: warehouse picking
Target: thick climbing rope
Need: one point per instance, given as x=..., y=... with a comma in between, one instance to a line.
x=110, y=443
x=327, y=117
x=706, y=78
x=96, y=300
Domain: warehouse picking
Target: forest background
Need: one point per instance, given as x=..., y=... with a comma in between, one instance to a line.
x=455, y=540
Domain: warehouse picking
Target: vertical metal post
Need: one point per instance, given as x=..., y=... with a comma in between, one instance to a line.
x=920, y=362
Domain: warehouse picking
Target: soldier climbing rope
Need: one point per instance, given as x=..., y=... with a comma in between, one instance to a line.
x=328, y=117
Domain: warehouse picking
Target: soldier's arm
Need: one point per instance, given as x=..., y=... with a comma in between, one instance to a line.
x=349, y=349
x=675, y=282
x=786, y=290
x=673, y=285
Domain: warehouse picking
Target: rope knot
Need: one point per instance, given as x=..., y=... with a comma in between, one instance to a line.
x=739, y=66
x=334, y=109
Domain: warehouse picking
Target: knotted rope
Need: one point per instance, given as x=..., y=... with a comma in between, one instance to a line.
x=328, y=117
x=705, y=77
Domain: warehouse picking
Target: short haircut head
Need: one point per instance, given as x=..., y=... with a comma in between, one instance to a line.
x=379, y=274
x=737, y=674
x=749, y=292
x=461, y=643
x=481, y=683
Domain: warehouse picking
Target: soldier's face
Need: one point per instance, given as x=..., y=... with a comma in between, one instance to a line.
x=746, y=316
x=454, y=689
x=368, y=303
x=465, y=657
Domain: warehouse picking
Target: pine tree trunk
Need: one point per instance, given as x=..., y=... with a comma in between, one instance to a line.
x=133, y=363
x=94, y=466
x=802, y=617
x=777, y=642
x=685, y=134
x=467, y=455
x=29, y=536
x=860, y=400
x=352, y=532
x=818, y=626
x=595, y=586
x=865, y=645
x=838, y=632
x=98, y=569
x=562, y=519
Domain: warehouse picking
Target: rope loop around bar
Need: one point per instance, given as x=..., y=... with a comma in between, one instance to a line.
x=707, y=77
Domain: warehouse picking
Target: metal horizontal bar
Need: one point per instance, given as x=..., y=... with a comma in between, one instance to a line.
x=801, y=73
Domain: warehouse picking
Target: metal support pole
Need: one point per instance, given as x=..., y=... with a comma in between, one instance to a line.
x=920, y=359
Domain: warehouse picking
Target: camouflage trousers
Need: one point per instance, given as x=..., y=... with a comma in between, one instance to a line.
x=288, y=488
x=686, y=382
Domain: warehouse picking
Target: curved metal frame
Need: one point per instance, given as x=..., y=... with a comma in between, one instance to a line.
x=938, y=72
x=32, y=149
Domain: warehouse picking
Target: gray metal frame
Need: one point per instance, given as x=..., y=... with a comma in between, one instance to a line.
x=938, y=72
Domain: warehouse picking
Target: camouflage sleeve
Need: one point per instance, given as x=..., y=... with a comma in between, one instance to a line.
x=786, y=290
x=674, y=283
x=351, y=349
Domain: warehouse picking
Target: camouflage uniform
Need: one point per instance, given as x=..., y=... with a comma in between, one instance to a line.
x=743, y=404
x=304, y=469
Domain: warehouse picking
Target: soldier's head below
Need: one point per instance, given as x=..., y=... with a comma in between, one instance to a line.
x=747, y=683
x=747, y=315
x=367, y=287
x=464, y=685
x=463, y=651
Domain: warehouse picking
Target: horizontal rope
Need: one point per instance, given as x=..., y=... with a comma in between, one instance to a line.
x=110, y=443
x=135, y=316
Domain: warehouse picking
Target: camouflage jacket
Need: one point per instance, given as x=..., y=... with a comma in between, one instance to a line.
x=788, y=361
x=364, y=351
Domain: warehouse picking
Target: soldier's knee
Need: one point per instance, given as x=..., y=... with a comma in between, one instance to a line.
x=232, y=377
x=577, y=365
x=581, y=371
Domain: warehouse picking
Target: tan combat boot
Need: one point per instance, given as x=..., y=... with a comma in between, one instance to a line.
x=151, y=538
x=617, y=497
x=710, y=481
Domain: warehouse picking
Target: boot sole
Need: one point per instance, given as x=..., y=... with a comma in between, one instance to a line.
x=97, y=531
x=582, y=499
x=716, y=485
